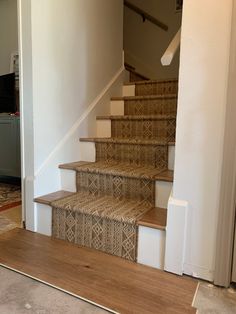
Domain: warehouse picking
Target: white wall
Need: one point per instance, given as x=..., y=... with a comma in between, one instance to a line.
x=8, y=33
x=204, y=61
x=76, y=51
x=145, y=43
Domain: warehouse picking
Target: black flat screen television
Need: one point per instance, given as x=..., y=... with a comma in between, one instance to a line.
x=7, y=93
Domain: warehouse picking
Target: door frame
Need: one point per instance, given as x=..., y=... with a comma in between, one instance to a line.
x=227, y=196
x=26, y=111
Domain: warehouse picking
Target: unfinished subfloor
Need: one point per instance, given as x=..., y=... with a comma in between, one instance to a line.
x=22, y=295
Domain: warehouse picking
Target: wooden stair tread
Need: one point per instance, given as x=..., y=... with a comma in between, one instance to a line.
x=151, y=81
x=49, y=198
x=104, y=206
x=129, y=170
x=154, y=218
x=138, y=141
x=72, y=165
x=138, y=117
x=125, y=170
x=166, y=175
x=146, y=97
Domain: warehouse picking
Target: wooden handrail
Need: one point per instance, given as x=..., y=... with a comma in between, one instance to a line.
x=145, y=15
x=171, y=49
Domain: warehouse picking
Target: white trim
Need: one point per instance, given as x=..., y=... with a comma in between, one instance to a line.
x=198, y=272
x=171, y=50
x=79, y=121
x=176, y=235
x=58, y=288
x=22, y=141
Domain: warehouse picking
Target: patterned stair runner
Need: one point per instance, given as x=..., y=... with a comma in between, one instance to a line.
x=116, y=190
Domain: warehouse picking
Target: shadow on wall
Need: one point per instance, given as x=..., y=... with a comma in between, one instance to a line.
x=145, y=43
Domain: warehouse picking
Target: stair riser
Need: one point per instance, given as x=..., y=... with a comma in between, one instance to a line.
x=113, y=152
x=158, y=88
x=144, y=106
x=150, y=155
x=89, y=231
x=150, y=242
x=116, y=186
x=161, y=129
x=162, y=188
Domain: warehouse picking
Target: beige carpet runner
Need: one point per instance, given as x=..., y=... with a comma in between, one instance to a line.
x=119, y=188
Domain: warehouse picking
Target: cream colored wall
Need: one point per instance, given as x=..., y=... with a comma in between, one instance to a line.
x=145, y=43
x=76, y=52
x=8, y=33
x=203, y=81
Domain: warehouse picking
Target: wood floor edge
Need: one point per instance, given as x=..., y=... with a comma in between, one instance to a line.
x=195, y=295
x=58, y=288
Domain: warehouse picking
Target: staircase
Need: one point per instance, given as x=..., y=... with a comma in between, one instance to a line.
x=119, y=204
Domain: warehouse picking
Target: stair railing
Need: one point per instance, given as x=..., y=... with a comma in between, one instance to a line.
x=171, y=49
x=145, y=15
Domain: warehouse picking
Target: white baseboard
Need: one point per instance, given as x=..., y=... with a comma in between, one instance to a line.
x=176, y=236
x=198, y=272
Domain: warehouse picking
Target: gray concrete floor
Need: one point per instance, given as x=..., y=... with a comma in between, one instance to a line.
x=22, y=295
x=214, y=300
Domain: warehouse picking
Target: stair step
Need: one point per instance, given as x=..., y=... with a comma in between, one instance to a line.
x=85, y=166
x=133, y=151
x=123, y=170
x=141, y=126
x=49, y=198
x=102, y=222
x=155, y=87
x=144, y=105
x=72, y=165
x=154, y=218
x=151, y=81
x=145, y=97
x=107, y=207
x=138, y=117
x=129, y=141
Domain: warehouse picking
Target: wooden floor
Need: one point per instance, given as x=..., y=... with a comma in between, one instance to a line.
x=122, y=286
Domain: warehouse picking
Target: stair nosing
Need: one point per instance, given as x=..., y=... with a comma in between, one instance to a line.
x=151, y=81
x=145, y=97
x=157, y=177
x=125, y=141
x=136, y=117
x=153, y=225
x=44, y=198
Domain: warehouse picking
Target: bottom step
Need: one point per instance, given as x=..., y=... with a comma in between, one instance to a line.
x=124, y=228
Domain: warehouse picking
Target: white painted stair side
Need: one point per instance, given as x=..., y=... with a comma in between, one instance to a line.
x=44, y=219
x=151, y=247
x=104, y=130
x=117, y=107
x=128, y=90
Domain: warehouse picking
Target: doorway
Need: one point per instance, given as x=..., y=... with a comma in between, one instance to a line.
x=10, y=160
